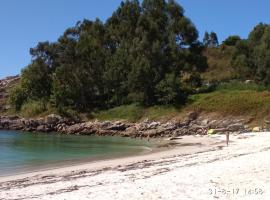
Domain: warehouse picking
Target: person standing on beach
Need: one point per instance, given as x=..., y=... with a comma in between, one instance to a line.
x=227, y=138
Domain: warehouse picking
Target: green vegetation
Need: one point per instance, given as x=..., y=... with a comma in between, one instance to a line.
x=33, y=108
x=231, y=40
x=137, y=56
x=131, y=112
x=145, y=61
x=251, y=58
x=136, y=112
x=233, y=102
x=235, y=85
x=219, y=64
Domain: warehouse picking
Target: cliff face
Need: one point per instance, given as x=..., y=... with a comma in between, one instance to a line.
x=6, y=84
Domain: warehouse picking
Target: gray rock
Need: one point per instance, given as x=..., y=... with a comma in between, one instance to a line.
x=53, y=119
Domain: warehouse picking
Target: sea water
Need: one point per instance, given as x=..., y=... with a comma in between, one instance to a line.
x=23, y=152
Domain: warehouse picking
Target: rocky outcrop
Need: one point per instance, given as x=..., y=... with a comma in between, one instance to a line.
x=5, y=84
x=193, y=124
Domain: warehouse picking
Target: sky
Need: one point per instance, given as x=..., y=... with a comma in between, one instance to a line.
x=24, y=23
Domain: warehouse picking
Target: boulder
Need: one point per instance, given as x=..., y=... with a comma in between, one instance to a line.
x=236, y=127
x=129, y=132
x=192, y=116
x=53, y=119
x=15, y=125
x=41, y=128
x=117, y=126
x=76, y=128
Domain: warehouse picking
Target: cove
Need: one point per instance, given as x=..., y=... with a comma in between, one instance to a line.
x=25, y=152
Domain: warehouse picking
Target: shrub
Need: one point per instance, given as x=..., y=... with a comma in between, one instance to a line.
x=33, y=108
x=17, y=97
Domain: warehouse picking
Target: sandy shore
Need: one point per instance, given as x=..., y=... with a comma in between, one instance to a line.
x=198, y=168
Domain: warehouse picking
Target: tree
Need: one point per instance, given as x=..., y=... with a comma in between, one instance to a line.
x=138, y=55
x=231, y=40
x=80, y=83
x=210, y=39
x=213, y=39
x=252, y=56
x=206, y=39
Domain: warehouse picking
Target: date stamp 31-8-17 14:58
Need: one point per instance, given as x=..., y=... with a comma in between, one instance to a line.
x=236, y=191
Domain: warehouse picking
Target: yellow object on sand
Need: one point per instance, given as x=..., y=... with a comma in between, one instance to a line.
x=256, y=129
x=210, y=132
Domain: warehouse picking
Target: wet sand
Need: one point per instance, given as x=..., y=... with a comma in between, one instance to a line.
x=196, y=168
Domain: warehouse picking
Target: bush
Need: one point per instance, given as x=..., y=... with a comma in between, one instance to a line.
x=238, y=85
x=17, y=97
x=33, y=108
x=232, y=40
x=168, y=91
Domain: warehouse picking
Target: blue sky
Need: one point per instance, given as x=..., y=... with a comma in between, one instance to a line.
x=23, y=23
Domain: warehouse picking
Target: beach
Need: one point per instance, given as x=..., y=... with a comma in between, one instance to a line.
x=198, y=167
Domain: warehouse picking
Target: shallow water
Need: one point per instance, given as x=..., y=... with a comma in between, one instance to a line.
x=21, y=151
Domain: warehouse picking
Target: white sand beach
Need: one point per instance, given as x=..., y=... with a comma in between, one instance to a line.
x=200, y=168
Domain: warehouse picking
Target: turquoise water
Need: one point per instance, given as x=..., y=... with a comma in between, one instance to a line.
x=23, y=152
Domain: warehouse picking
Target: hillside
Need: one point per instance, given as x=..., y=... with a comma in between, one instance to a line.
x=250, y=101
x=5, y=85
x=219, y=64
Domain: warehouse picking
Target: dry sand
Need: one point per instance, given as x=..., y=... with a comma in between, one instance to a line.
x=199, y=168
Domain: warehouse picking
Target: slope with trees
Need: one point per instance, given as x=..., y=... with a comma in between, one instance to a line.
x=137, y=56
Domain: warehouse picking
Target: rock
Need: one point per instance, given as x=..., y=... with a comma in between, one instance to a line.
x=15, y=125
x=129, y=132
x=105, y=124
x=205, y=122
x=153, y=125
x=53, y=119
x=236, y=127
x=192, y=116
x=117, y=126
x=102, y=132
x=41, y=128
x=13, y=118
x=148, y=133
x=76, y=128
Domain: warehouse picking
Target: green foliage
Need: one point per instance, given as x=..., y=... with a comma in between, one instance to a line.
x=194, y=81
x=231, y=40
x=137, y=56
x=17, y=97
x=238, y=85
x=233, y=102
x=252, y=56
x=168, y=90
x=131, y=112
x=33, y=108
x=135, y=112
x=36, y=80
x=161, y=112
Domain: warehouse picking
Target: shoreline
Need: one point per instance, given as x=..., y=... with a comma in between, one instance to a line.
x=193, y=170
x=192, y=124
x=188, y=145
x=142, y=146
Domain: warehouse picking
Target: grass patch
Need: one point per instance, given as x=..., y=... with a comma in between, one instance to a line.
x=238, y=85
x=135, y=112
x=161, y=112
x=33, y=108
x=237, y=102
x=131, y=112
